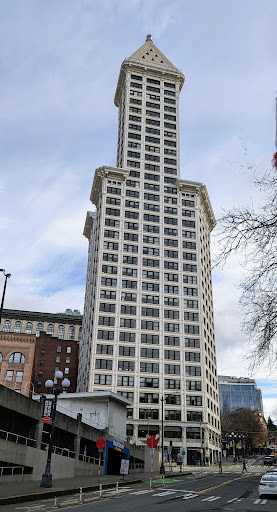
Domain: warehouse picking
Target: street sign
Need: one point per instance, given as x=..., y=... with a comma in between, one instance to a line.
x=124, y=468
x=47, y=408
x=46, y=419
x=100, y=443
x=118, y=443
x=152, y=441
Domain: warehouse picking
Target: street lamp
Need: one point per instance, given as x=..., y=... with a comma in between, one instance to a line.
x=4, y=291
x=162, y=468
x=46, y=480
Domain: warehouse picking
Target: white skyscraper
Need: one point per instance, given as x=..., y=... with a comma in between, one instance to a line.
x=148, y=329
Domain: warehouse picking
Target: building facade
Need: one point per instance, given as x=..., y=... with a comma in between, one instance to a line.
x=66, y=325
x=235, y=393
x=17, y=353
x=53, y=354
x=148, y=329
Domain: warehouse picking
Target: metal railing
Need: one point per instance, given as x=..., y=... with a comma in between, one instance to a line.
x=11, y=470
x=65, y=452
x=90, y=460
x=16, y=438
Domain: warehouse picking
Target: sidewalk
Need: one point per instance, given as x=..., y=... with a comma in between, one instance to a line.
x=20, y=492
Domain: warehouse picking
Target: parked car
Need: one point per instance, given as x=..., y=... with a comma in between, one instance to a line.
x=268, y=484
x=269, y=460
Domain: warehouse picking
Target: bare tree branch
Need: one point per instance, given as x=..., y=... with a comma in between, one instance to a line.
x=252, y=234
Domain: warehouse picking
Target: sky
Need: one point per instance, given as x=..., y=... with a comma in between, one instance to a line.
x=59, y=65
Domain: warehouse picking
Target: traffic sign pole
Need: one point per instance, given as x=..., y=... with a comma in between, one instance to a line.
x=99, y=466
x=152, y=450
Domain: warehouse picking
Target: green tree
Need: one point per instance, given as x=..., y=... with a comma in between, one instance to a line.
x=270, y=425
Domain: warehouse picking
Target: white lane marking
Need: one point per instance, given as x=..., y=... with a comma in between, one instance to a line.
x=235, y=500
x=120, y=489
x=144, y=491
x=259, y=501
x=189, y=496
x=212, y=498
x=164, y=493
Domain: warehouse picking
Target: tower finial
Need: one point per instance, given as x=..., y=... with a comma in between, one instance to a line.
x=149, y=37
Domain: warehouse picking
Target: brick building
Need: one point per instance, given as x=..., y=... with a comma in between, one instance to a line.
x=16, y=360
x=54, y=354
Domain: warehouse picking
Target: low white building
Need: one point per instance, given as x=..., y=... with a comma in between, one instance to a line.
x=100, y=409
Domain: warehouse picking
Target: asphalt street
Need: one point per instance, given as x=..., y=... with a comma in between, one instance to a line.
x=201, y=491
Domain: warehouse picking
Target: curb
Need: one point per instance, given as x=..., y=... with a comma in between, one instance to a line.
x=60, y=492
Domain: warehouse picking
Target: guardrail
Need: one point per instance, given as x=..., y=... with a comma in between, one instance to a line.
x=16, y=438
x=11, y=470
x=65, y=452
x=90, y=460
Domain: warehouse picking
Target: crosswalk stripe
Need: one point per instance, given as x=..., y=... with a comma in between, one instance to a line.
x=144, y=491
x=212, y=498
x=259, y=501
x=190, y=496
x=164, y=493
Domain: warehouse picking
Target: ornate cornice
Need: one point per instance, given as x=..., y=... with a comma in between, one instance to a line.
x=90, y=218
x=103, y=173
x=201, y=191
x=161, y=71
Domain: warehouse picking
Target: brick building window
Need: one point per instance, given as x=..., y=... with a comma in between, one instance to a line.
x=17, y=327
x=19, y=376
x=39, y=329
x=7, y=326
x=71, y=332
x=17, y=357
x=61, y=332
x=9, y=376
x=28, y=328
x=50, y=329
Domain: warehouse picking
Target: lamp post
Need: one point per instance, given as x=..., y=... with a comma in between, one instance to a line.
x=162, y=469
x=163, y=399
x=4, y=291
x=46, y=480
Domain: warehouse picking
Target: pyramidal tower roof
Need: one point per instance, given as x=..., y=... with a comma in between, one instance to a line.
x=149, y=53
x=148, y=57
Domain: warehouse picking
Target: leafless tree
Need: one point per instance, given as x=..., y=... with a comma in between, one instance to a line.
x=251, y=232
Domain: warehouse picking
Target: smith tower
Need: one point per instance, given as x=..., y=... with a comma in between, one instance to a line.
x=148, y=331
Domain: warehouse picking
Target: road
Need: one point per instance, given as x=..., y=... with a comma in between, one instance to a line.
x=211, y=491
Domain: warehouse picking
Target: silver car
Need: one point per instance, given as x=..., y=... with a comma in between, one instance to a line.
x=268, y=484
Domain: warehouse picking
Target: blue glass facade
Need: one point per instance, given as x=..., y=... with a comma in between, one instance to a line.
x=235, y=393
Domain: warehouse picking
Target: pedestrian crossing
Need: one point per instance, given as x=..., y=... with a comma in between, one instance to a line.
x=187, y=495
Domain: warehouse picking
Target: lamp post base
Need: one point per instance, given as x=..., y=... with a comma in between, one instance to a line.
x=162, y=470
x=46, y=480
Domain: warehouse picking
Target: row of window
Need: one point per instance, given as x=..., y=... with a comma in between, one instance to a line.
x=39, y=328
x=149, y=325
x=154, y=353
x=152, y=339
x=128, y=381
x=149, y=274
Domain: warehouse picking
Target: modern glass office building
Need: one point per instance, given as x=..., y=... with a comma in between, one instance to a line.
x=235, y=393
x=148, y=328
